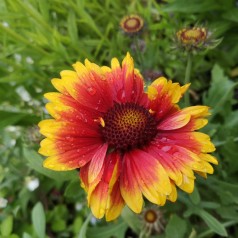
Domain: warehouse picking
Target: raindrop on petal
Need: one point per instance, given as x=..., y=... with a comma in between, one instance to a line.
x=121, y=95
x=69, y=138
x=91, y=90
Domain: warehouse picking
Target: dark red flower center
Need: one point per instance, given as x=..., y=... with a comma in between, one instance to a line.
x=128, y=126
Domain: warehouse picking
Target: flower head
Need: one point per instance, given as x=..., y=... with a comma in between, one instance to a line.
x=127, y=143
x=152, y=220
x=196, y=38
x=132, y=24
x=192, y=36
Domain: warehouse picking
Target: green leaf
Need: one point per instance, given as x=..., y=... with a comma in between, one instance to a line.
x=195, y=197
x=13, y=236
x=35, y=162
x=116, y=230
x=176, y=227
x=191, y=6
x=228, y=212
x=44, y=6
x=213, y=223
x=210, y=205
x=29, y=9
x=229, y=151
x=16, y=118
x=231, y=15
x=83, y=230
x=26, y=235
x=219, y=95
x=58, y=225
x=38, y=220
x=131, y=219
x=9, y=118
x=6, y=226
x=72, y=28
x=78, y=222
x=73, y=189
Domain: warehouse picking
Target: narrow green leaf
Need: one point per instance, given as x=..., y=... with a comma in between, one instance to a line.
x=176, y=227
x=191, y=6
x=195, y=197
x=44, y=9
x=73, y=189
x=220, y=92
x=131, y=219
x=26, y=235
x=116, y=229
x=83, y=230
x=78, y=222
x=35, y=162
x=38, y=220
x=72, y=28
x=9, y=118
x=213, y=223
x=231, y=15
x=21, y=39
x=29, y=9
x=6, y=226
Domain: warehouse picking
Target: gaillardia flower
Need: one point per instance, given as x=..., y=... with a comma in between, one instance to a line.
x=196, y=38
x=192, y=36
x=127, y=143
x=132, y=24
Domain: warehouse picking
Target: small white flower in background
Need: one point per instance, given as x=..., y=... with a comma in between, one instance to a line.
x=78, y=206
x=5, y=24
x=11, y=128
x=29, y=60
x=18, y=58
x=32, y=183
x=12, y=142
x=94, y=220
x=25, y=96
x=38, y=90
x=3, y=202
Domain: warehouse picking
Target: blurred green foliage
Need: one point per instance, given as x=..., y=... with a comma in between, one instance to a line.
x=39, y=38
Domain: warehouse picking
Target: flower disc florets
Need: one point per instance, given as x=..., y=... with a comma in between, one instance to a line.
x=128, y=126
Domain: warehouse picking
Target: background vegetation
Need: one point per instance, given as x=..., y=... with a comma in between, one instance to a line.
x=39, y=38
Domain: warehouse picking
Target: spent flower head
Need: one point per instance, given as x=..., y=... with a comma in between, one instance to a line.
x=152, y=221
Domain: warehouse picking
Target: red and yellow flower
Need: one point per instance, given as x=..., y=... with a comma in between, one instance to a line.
x=192, y=36
x=128, y=143
x=132, y=24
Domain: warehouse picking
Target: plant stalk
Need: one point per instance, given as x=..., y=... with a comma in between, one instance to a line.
x=138, y=52
x=187, y=77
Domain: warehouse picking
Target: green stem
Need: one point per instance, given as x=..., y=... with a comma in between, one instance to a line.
x=138, y=52
x=187, y=77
